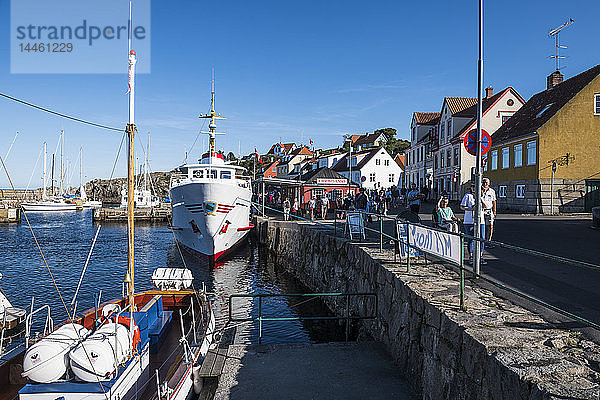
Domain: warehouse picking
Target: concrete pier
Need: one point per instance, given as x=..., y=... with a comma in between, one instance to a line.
x=311, y=371
x=119, y=215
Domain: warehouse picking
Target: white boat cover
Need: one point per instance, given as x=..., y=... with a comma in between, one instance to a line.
x=47, y=360
x=172, y=278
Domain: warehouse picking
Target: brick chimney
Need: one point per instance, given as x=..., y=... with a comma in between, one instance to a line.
x=554, y=79
x=489, y=92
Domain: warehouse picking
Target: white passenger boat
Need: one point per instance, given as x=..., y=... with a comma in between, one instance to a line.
x=210, y=201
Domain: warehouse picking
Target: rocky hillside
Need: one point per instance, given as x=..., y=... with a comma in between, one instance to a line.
x=110, y=190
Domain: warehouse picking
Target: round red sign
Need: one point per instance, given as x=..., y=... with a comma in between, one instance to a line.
x=471, y=142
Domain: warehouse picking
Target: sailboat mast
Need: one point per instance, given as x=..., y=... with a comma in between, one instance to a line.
x=130, y=177
x=44, y=175
x=62, y=144
x=146, y=164
x=80, y=166
x=52, y=176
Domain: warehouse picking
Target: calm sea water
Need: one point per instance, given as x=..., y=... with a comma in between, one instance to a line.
x=65, y=240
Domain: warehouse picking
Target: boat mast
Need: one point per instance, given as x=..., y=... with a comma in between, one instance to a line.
x=130, y=129
x=62, y=144
x=44, y=175
x=212, y=125
x=52, y=176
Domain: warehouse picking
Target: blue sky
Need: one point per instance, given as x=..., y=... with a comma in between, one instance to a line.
x=289, y=70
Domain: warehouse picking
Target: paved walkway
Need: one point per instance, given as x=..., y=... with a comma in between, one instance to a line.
x=311, y=371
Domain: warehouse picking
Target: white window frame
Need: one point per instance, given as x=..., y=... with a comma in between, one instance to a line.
x=377, y=161
x=534, y=147
x=520, y=191
x=597, y=104
x=518, y=155
x=391, y=178
x=372, y=177
x=386, y=163
x=502, y=191
x=494, y=160
x=507, y=153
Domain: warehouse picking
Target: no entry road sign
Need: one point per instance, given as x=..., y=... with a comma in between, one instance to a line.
x=471, y=142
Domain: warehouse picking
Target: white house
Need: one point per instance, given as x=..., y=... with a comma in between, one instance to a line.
x=371, y=169
x=289, y=161
x=451, y=162
x=419, y=164
x=327, y=160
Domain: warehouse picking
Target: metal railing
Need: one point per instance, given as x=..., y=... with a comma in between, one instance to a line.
x=347, y=317
x=463, y=237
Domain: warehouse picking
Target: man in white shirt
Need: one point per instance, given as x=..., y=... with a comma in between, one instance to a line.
x=468, y=206
x=488, y=197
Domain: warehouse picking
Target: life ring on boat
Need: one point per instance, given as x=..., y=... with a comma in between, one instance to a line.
x=130, y=325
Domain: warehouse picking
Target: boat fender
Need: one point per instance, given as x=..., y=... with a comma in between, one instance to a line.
x=197, y=379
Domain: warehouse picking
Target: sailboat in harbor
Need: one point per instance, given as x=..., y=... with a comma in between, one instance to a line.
x=83, y=199
x=143, y=195
x=145, y=345
x=49, y=203
x=210, y=201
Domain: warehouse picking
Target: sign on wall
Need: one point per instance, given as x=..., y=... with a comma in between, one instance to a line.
x=331, y=181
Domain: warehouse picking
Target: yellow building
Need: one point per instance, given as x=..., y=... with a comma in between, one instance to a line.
x=546, y=157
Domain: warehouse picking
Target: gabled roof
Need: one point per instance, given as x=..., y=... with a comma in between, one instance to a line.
x=341, y=164
x=367, y=138
x=301, y=151
x=354, y=138
x=400, y=160
x=286, y=147
x=488, y=102
x=458, y=104
x=542, y=106
x=427, y=118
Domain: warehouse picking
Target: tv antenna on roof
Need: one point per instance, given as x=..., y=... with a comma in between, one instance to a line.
x=555, y=32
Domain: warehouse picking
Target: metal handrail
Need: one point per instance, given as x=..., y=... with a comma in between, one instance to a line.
x=48, y=325
x=260, y=317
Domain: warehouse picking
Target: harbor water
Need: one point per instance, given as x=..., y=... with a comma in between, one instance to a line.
x=65, y=239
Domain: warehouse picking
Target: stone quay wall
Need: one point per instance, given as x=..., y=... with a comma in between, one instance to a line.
x=493, y=350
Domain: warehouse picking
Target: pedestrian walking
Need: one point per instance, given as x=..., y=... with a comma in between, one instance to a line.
x=295, y=208
x=312, y=203
x=286, y=209
x=447, y=219
x=362, y=202
x=468, y=206
x=324, y=206
x=414, y=199
x=488, y=196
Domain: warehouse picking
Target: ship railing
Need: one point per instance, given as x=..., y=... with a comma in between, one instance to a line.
x=347, y=317
x=48, y=323
x=411, y=251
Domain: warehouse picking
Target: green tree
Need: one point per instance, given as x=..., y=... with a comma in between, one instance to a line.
x=395, y=146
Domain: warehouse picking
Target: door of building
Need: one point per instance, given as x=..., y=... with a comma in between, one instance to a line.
x=592, y=194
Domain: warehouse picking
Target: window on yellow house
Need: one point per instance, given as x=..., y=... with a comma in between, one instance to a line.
x=506, y=157
x=531, y=153
x=518, y=155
